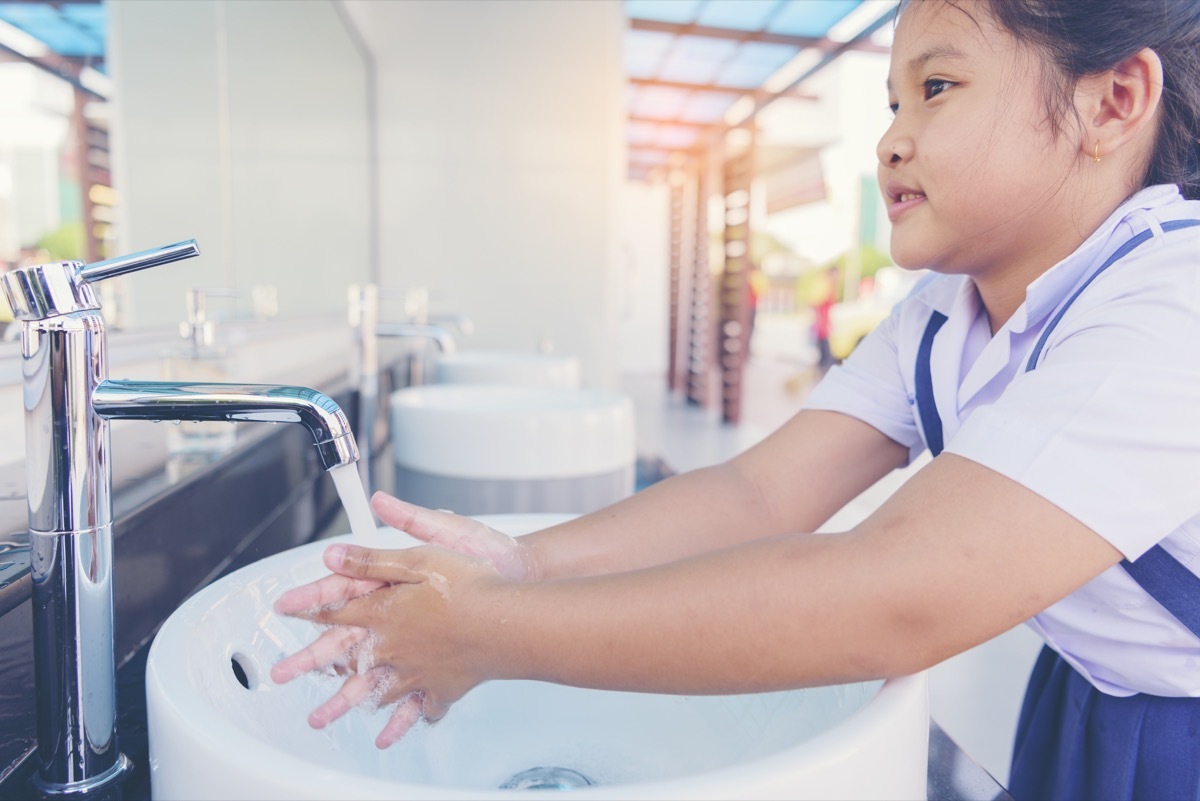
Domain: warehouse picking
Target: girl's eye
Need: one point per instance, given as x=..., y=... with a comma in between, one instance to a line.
x=935, y=86
x=894, y=107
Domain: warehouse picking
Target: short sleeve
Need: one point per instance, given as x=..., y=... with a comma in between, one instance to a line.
x=870, y=386
x=1106, y=427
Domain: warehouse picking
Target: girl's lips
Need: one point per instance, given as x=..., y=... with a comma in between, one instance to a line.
x=899, y=205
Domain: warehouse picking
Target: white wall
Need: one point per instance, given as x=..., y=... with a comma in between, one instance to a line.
x=500, y=125
x=500, y=158
x=244, y=125
x=642, y=283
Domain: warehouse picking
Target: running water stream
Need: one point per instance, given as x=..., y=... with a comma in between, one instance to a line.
x=354, y=500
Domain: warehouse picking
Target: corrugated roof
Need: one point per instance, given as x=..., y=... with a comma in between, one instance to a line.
x=73, y=29
x=696, y=67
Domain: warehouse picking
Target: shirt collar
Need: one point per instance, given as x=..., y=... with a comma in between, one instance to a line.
x=939, y=292
x=1048, y=289
x=943, y=293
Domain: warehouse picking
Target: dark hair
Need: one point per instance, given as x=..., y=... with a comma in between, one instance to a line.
x=1085, y=38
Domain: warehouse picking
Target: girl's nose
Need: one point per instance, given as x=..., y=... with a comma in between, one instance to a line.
x=894, y=147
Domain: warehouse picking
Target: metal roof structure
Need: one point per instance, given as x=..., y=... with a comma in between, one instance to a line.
x=66, y=38
x=696, y=68
x=73, y=30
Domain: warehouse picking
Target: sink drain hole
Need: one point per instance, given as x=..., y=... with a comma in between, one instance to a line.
x=243, y=671
x=546, y=778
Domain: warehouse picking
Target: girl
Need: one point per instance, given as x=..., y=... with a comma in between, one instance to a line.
x=1043, y=164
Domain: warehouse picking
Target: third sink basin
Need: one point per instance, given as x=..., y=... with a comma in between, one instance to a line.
x=220, y=728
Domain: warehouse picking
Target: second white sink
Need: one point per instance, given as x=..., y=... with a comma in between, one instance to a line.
x=524, y=368
x=490, y=448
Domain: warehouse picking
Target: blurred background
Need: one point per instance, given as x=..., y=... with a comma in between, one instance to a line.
x=658, y=186
x=680, y=193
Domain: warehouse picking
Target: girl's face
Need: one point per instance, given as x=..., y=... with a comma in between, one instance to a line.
x=974, y=179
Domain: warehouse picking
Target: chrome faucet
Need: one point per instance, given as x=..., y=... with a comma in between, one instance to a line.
x=198, y=327
x=68, y=402
x=364, y=323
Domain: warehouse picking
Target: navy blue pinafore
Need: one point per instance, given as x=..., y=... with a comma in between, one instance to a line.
x=1073, y=741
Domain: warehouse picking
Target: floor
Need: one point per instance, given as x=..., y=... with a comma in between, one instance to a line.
x=975, y=696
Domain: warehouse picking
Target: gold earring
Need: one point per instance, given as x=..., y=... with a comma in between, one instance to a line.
x=1096, y=153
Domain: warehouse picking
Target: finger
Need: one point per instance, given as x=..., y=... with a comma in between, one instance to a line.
x=427, y=525
x=352, y=693
x=324, y=592
x=403, y=718
x=332, y=646
x=391, y=567
x=453, y=533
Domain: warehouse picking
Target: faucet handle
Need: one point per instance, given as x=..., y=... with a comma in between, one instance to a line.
x=98, y=271
x=62, y=287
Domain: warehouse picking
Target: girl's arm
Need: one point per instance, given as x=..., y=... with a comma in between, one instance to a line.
x=794, y=480
x=956, y=556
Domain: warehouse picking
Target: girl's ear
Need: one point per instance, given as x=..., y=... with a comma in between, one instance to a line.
x=1121, y=104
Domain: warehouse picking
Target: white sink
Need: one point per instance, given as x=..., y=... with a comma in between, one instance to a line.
x=212, y=737
x=492, y=448
x=526, y=368
x=512, y=432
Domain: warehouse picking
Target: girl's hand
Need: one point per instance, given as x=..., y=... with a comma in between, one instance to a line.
x=461, y=534
x=441, y=529
x=411, y=634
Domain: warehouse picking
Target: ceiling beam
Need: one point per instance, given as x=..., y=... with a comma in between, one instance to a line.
x=686, y=86
x=762, y=98
x=712, y=87
x=722, y=33
x=820, y=43
x=694, y=150
x=67, y=68
x=663, y=121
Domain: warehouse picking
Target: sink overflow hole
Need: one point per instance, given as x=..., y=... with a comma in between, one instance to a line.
x=547, y=778
x=243, y=671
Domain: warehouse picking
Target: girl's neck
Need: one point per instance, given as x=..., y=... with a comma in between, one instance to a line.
x=1002, y=288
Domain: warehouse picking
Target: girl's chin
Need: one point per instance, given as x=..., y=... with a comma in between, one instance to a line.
x=913, y=258
x=910, y=256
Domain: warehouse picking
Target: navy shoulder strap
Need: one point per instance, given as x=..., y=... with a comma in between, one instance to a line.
x=931, y=421
x=1121, y=252
x=1173, y=586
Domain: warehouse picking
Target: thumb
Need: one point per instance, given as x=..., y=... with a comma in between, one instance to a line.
x=391, y=567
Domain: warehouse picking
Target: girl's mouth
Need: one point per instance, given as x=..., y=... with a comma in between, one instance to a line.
x=902, y=203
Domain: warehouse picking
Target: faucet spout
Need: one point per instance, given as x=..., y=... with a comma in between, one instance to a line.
x=435, y=333
x=270, y=403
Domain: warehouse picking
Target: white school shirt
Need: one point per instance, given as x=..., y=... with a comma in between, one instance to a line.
x=1107, y=427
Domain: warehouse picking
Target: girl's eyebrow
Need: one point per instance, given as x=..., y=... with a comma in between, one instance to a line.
x=944, y=51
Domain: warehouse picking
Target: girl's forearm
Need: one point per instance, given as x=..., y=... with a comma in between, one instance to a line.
x=791, y=481
x=786, y=620
x=681, y=516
